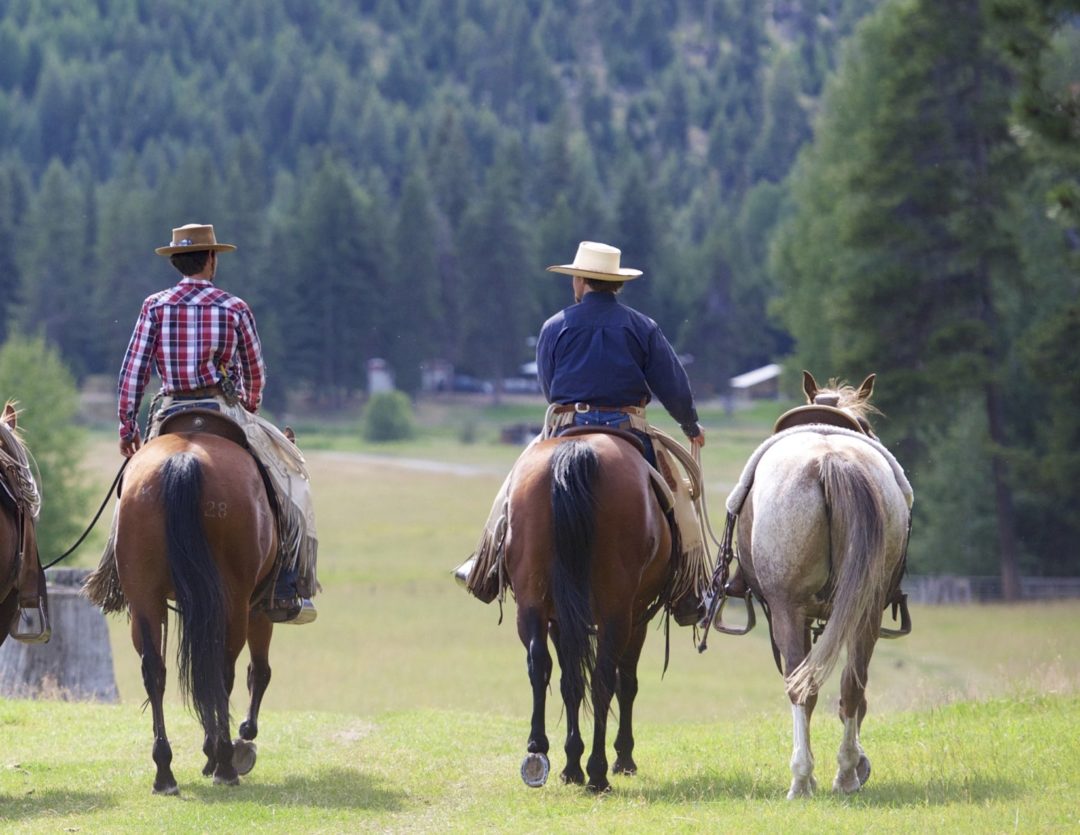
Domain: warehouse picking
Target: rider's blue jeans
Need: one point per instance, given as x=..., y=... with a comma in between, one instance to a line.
x=616, y=420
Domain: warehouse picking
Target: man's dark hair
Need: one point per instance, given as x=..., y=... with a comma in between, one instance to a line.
x=604, y=286
x=189, y=263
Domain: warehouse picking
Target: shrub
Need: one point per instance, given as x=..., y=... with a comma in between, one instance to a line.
x=388, y=417
x=32, y=373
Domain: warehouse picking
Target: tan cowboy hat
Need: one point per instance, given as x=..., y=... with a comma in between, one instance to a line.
x=193, y=237
x=599, y=261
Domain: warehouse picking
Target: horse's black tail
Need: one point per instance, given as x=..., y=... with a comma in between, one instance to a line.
x=573, y=467
x=200, y=598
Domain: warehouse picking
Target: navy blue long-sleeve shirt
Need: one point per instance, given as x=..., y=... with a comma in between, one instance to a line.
x=601, y=352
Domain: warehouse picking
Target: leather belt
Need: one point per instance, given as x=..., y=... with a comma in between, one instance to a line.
x=581, y=408
x=197, y=394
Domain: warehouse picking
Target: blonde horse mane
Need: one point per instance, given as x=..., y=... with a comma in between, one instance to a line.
x=850, y=398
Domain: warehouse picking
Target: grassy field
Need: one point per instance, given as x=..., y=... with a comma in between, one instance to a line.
x=405, y=706
x=996, y=766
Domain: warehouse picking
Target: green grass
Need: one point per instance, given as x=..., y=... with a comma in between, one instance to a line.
x=1002, y=765
x=405, y=706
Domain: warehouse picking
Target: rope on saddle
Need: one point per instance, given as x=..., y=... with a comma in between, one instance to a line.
x=18, y=476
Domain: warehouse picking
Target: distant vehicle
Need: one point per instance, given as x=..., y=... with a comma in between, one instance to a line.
x=521, y=385
x=472, y=385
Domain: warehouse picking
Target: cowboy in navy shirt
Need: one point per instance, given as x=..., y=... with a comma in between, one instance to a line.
x=603, y=354
x=599, y=362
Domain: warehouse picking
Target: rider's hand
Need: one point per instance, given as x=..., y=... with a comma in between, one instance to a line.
x=130, y=446
x=699, y=439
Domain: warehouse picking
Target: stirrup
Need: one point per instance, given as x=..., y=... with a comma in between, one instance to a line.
x=905, y=620
x=31, y=624
x=462, y=572
x=295, y=611
x=718, y=619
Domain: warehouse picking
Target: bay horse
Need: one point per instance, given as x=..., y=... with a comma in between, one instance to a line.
x=13, y=529
x=195, y=526
x=588, y=557
x=822, y=537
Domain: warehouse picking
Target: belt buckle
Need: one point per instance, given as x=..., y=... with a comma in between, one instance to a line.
x=582, y=408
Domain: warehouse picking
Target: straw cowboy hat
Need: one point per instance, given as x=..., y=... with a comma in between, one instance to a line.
x=599, y=261
x=193, y=237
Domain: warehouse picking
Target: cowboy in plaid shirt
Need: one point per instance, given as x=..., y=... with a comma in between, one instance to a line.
x=203, y=343
x=189, y=333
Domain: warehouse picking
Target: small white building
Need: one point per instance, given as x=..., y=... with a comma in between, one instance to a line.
x=760, y=384
x=380, y=377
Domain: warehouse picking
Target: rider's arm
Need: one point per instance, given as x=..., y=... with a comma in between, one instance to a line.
x=668, y=381
x=249, y=352
x=135, y=371
x=545, y=356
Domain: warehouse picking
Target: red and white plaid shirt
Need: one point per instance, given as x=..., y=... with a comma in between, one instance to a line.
x=194, y=333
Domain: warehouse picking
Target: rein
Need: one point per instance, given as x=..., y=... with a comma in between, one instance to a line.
x=108, y=495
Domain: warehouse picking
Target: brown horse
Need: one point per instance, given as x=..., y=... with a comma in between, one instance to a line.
x=195, y=526
x=13, y=529
x=822, y=537
x=589, y=556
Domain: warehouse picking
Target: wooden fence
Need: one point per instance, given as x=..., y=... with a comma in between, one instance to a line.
x=949, y=588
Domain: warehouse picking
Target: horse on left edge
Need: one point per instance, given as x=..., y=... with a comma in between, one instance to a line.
x=21, y=578
x=195, y=525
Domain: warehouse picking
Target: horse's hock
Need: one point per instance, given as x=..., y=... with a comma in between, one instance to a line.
x=76, y=664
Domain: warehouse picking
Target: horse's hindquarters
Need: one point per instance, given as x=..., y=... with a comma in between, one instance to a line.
x=784, y=530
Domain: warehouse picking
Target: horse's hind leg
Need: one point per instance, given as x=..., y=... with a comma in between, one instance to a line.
x=217, y=747
x=603, y=688
x=225, y=772
x=626, y=688
x=792, y=637
x=146, y=636
x=853, y=766
x=216, y=757
x=258, y=673
x=533, y=633
x=574, y=746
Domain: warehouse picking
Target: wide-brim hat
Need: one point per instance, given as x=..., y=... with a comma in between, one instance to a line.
x=193, y=237
x=595, y=260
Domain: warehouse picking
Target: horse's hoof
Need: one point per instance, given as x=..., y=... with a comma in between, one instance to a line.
x=208, y=769
x=243, y=758
x=167, y=791
x=599, y=788
x=575, y=778
x=862, y=769
x=802, y=788
x=534, y=770
x=226, y=780
x=629, y=768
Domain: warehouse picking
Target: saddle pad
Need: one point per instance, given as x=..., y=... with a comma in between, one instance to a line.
x=202, y=419
x=817, y=413
x=596, y=429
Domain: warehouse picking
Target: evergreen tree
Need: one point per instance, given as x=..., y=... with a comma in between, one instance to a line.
x=14, y=194
x=34, y=376
x=501, y=265
x=413, y=323
x=127, y=270
x=334, y=243
x=52, y=262
x=927, y=253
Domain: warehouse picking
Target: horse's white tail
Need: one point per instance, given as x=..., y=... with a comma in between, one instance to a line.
x=857, y=532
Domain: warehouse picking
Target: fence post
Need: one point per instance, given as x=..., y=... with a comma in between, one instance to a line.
x=76, y=664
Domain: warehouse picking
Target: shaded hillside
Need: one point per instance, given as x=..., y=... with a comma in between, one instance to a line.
x=397, y=173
